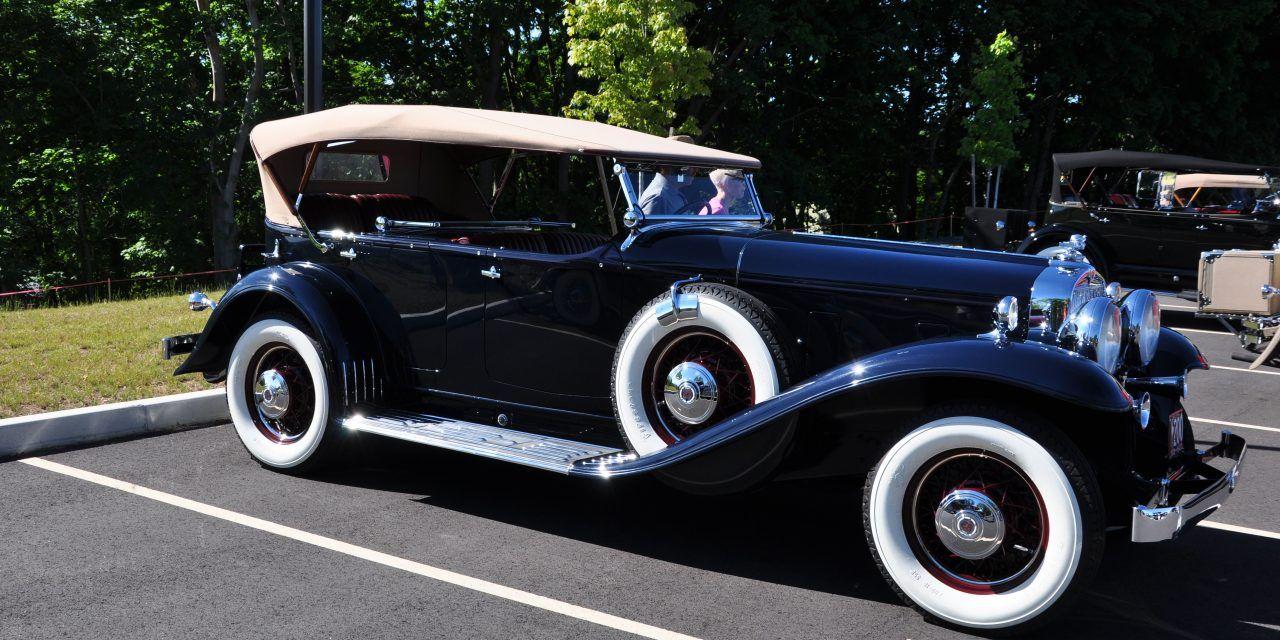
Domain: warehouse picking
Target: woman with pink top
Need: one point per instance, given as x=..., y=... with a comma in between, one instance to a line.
x=730, y=185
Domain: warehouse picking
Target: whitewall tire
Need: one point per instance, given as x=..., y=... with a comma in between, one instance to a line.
x=983, y=524
x=671, y=379
x=646, y=335
x=278, y=394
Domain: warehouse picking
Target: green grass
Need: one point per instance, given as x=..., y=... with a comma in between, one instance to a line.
x=83, y=355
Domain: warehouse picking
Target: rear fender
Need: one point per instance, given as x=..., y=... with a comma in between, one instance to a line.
x=1040, y=369
x=340, y=311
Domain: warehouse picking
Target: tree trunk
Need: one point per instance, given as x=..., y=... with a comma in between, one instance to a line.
x=290, y=60
x=226, y=233
x=492, y=81
x=82, y=221
x=214, y=47
x=1044, y=155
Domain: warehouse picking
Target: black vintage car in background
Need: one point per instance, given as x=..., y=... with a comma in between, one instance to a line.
x=1147, y=217
x=457, y=278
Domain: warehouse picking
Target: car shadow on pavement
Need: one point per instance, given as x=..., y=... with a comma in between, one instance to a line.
x=808, y=535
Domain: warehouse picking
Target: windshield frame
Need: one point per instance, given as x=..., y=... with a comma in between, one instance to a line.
x=634, y=216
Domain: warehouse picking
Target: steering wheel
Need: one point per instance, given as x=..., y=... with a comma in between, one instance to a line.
x=690, y=207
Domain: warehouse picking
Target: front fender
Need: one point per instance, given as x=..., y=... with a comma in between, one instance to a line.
x=1039, y=368
x=1175, y=355
x=338, y=314
x=1056, y=232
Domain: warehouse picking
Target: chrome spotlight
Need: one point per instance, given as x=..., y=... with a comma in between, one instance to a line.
x=198, y=301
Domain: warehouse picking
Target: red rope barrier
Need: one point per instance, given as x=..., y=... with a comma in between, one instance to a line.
x=112, y=281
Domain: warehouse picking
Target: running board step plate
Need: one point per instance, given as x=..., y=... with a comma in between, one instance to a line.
x=529, y=449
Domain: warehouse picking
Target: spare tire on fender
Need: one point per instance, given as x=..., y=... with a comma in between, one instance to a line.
x=686, y=364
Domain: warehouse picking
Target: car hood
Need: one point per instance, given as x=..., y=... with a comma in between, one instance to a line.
x=841, y=262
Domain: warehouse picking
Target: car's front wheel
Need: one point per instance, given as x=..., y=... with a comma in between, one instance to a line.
x=984, y=518
x=278, y=394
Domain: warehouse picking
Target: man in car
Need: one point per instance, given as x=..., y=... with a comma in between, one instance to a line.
x=661, y=197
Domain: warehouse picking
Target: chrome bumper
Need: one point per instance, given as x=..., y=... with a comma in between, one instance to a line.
x=1154, y=524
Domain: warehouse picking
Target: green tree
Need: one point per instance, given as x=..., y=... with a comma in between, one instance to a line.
x=997, y=118
x=639, y=53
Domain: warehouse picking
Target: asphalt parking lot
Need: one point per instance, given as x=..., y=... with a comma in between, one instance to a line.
x=183, y=536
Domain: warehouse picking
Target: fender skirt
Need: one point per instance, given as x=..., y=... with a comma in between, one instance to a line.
x=1040, y=368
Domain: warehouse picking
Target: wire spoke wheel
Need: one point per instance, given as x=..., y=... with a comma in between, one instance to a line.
x=281, y=393
x=975, y=521
x=694, y=379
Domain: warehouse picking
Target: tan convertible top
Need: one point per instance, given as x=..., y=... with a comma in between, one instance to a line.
x=481, y=128
x=1219, y=180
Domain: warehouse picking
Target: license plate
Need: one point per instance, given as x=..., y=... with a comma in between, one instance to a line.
x=1177, y=423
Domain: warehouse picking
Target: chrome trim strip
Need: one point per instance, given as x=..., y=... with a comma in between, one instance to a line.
x=1155, y=524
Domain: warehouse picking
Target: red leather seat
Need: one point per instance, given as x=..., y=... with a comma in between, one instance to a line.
x=331, y=211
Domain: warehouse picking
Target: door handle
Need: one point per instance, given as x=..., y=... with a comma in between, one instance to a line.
x=1202, y=227
x=349, y=254
x=492, y=273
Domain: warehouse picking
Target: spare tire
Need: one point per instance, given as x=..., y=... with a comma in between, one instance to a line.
x=683, y=367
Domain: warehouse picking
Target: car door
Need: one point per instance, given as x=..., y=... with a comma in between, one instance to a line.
x=412, y=281
x=551, y=325
x=1128, y=233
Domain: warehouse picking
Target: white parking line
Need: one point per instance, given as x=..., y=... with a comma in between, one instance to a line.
x=1238, y=425
x=435, y=573
x=1209, y=524
x=1243, y=370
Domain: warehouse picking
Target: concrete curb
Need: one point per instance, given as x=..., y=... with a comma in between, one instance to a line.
x=31, y=435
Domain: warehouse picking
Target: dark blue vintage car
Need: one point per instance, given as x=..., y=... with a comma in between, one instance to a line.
x=458, y=278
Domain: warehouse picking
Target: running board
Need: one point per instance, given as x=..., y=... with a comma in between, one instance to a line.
x=529, y=449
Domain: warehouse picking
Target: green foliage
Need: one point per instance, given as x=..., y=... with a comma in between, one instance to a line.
x=859, y=110
x=997, y=119
x=638, y=52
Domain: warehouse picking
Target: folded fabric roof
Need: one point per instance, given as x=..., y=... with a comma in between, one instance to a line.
x=481, y=128
x=1143, y=160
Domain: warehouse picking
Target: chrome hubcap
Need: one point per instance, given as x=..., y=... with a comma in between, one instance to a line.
x=690, y=393
x=271, y=394
x=969, y=524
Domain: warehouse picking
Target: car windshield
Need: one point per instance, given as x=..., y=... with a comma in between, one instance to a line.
x=673, y=190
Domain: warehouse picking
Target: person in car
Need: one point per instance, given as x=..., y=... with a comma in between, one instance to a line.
x=730, y=185
x=661, y=197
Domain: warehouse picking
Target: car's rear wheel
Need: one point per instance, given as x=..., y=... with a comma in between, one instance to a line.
x=984, y=518
x=673, y=379
x=278, y=394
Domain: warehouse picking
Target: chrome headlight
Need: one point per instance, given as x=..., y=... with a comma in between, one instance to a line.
x=1140, y=313
x=1097, y=332
x=1060, y=292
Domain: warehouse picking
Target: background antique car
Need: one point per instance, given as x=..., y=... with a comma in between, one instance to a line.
x=1147, y=216
x=441, y=276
